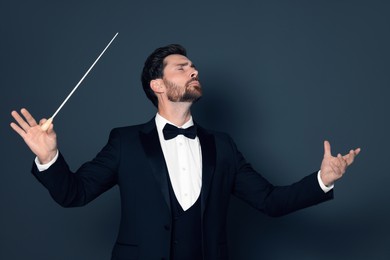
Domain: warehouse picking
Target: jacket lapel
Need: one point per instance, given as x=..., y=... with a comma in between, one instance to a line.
x=207, y=143
x=151, y=144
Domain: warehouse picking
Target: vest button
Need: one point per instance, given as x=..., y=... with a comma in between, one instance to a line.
x=167, y=227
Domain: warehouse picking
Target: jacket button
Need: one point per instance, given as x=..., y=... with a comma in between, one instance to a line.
x=167, y=227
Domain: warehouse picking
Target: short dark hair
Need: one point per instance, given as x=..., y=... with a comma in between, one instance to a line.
x=154, y=66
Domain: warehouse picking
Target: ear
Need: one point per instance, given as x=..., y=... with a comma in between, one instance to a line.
x=157, y=85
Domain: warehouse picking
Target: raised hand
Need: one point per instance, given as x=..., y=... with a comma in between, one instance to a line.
x=333, y=168
x=42, y=143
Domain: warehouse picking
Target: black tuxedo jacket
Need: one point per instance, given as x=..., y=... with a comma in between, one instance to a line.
x=133, y=159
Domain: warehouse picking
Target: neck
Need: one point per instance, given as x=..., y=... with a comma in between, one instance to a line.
x=176, y=112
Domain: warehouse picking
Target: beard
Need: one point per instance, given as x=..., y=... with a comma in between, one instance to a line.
x=188, y=93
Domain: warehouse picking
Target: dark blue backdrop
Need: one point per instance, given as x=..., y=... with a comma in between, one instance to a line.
x=279, y=76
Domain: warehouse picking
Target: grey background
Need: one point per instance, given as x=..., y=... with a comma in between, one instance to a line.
x=279, y=76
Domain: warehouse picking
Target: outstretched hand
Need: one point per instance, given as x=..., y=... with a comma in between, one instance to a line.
x=42, y=143
x=333, y=168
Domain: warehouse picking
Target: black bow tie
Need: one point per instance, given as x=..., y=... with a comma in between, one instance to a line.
x=171, y=131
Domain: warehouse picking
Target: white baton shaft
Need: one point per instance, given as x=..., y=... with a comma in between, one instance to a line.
x=46, y=125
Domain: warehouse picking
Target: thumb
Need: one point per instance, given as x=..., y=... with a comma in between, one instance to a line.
x=50, y=129
x=327, y=149
x=46, y=124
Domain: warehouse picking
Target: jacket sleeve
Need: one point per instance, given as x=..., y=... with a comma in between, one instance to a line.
x=275, y=201
x=73, y=189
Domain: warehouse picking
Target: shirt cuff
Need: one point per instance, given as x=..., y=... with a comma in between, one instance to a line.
x=322, y=185
x=44, y=167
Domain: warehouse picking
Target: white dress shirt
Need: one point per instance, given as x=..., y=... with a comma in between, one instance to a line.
x=183, y=157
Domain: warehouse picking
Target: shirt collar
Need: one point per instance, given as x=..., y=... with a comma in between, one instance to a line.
x=161, y=121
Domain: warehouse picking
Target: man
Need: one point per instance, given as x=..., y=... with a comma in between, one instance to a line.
x=175, y=177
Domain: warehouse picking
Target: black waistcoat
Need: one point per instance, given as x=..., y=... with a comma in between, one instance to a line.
x=186, y=243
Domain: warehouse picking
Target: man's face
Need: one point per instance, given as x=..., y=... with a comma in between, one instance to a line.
x=181, y=79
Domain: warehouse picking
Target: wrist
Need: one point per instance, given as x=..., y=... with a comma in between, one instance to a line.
x=324, y=187
x=328, y=182
x=47, y=158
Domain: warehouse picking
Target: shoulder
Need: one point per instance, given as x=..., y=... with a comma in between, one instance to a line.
x=219, y=136
x=131, y=130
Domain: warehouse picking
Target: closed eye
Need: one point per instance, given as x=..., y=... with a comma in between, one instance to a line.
x=183, y=66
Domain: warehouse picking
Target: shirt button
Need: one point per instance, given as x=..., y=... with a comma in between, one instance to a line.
x=186, y=194
x=167, y=227
x=183, y=169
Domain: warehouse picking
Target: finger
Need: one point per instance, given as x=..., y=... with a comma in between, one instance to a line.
x=327, y=149
x=20, y=120
x=50, y=129
x=30, y=119
x=17, y=129
x=349, y=158
x=42, y=121
x=343, y=163
x=341, y=158
x=357, y=151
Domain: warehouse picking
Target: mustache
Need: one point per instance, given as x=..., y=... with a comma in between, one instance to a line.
x=193, y=79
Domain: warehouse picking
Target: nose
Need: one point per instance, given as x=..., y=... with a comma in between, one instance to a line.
x=194, y=73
